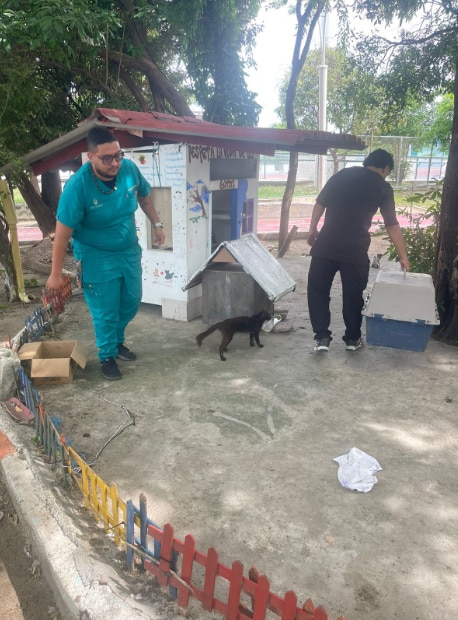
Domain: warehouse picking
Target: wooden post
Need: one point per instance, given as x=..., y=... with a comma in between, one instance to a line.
x=284, y=248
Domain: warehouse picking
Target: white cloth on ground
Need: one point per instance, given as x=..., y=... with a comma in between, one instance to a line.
x=356, y=470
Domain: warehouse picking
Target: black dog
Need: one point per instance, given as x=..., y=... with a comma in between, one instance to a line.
x=229, y=327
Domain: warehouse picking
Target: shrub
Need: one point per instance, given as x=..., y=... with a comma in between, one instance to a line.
x=421, y=239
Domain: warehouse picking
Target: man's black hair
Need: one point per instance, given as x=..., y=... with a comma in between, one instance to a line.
x=379, y=159
x=97, y=136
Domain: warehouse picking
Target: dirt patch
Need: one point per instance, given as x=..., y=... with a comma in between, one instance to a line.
x=24, y=591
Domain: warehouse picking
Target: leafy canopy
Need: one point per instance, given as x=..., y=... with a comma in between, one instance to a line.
x=59, y=59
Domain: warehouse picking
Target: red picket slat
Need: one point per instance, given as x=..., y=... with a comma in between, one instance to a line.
x=276, y=602
x=210, y=577
x=320, y=614
x=166, y=548
x=151, y=567
x=224, y=571
x=289, y=606
x=235, y=589
x=261, y=598
x=154, y=532
x=187, y=563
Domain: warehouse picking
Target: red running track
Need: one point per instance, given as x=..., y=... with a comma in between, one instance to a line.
x=303, y=224
x=33, y=233
x=29, y=233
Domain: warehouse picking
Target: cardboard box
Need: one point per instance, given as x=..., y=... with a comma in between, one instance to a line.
x=401, y=311
x=52, y=362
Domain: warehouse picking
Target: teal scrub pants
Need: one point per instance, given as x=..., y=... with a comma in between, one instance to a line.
x=112, y=287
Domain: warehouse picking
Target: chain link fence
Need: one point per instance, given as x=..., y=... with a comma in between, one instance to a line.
x=410, y=170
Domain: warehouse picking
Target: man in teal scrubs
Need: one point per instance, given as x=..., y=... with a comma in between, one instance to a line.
x=97, y=211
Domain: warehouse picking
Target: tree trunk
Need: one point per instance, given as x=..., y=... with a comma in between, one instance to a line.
x=335, y=160
x=44, y=216
x=288, y=198
x=6, y=259
x=158, y=83
x=284, y=248
x=51, y=189
x=135, y=90
x=308, y=17
x=446, y=267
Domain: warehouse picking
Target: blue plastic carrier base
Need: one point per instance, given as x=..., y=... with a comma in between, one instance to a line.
x=400, y=310
x=397, y=334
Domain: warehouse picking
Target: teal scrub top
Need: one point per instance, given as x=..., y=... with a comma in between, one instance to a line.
x=102, y=221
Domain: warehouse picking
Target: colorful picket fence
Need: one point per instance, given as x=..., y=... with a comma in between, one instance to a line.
x=43, y=317
x=218, y=587
x=177, y=565
x=102, y=499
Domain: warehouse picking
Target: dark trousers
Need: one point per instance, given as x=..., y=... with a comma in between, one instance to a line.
x=354, y=281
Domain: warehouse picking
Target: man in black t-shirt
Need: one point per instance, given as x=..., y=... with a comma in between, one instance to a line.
x=350, y=199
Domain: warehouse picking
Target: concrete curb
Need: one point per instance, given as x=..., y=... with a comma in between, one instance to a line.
x=85, y=588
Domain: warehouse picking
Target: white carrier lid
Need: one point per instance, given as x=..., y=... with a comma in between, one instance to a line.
x=402, y=296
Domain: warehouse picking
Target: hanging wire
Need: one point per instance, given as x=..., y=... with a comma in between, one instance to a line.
x=129, y=421
x=157, y=162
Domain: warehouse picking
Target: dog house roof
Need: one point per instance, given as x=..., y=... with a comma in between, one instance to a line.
x=255, y=260
x=137, y=129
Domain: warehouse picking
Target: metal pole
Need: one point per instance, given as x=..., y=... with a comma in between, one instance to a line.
x=323, y=96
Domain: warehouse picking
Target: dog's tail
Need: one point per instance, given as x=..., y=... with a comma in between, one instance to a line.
x=206, y=333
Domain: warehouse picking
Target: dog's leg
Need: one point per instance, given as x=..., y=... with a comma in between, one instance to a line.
x=223, y=347
x=256, y=337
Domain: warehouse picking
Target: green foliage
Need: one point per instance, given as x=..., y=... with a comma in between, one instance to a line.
x=441, y=128
x=420, y=60
x=217, y=41
x=34, y=23
x=355, y=102
x=60, y=59
x=421, y=240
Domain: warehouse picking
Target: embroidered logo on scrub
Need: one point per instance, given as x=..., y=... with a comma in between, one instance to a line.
x=95, y=204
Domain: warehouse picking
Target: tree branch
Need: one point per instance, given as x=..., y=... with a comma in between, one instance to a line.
x=156, y=79
x=424, y=39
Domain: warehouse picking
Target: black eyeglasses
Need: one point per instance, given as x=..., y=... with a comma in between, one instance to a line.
x=108, y=159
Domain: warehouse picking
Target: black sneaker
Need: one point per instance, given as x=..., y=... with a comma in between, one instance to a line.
x=354, y=345
x=125, y=354
x=322, y=344
x=110, y=369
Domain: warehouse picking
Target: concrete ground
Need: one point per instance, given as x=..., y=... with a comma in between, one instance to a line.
x=239, y=454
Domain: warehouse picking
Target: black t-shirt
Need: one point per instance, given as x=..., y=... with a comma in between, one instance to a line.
x=351, y=198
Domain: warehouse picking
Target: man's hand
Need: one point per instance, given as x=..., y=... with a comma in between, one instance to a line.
x=396, y=238
x=311, y=237
x=159, y=236
x=59, y=251
x=54, y=282
x=317, y=212
x=405, y=263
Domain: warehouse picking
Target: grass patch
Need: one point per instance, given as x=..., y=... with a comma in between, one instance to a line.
x=402, y=197
x=275, y=192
